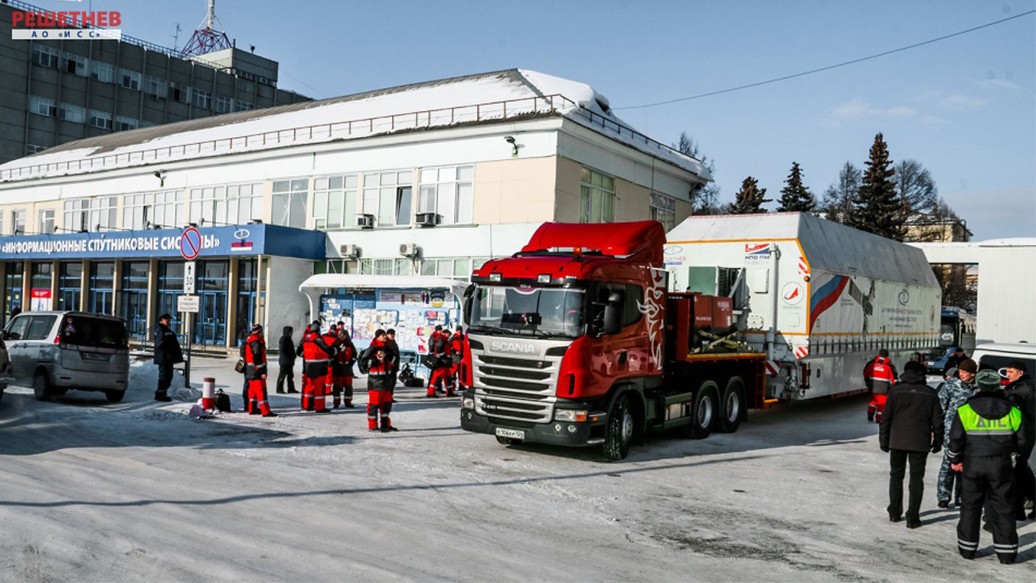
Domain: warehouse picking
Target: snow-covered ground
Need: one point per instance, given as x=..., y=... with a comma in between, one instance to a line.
x=139, y=491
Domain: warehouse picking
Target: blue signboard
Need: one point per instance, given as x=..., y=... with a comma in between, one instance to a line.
x=213, y=242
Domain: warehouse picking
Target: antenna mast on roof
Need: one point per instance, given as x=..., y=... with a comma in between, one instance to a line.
x=208, y=37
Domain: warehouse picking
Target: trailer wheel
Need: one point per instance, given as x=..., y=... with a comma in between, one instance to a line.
x=703, y=416
x=733, y=406
x=618, y=434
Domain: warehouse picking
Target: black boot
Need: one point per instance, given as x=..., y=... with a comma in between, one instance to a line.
x=162, y=396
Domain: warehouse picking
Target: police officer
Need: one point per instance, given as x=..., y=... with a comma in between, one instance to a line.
x=167, y=353
x=1021, y=393
x=953, y=393
x=880, y=375
x=986, y=432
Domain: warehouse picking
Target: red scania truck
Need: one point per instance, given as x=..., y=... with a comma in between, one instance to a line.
x=576, y=341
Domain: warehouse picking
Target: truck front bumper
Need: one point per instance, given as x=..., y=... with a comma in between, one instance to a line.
x=554, y=433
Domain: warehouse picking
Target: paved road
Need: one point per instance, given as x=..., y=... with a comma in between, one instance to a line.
x=138, y=491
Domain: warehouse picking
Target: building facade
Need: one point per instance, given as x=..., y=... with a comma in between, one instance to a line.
x=57, y=91
x=427, y=179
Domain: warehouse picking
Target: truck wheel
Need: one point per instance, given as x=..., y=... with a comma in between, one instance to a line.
x=705, y=410
x=114, y=396
x=41, y=387
x=618, y=434
x=733, y=410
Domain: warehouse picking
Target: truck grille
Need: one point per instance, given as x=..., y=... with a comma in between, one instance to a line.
x=519, y=390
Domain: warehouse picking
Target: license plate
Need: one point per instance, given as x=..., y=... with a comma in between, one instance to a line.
x=97, y=356
x=512, y=433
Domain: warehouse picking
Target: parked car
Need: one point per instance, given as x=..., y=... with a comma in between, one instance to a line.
x=56, y=351
x=996, y=356
x=5, y=366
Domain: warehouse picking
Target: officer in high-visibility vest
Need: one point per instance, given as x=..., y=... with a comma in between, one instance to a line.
x=986, y=432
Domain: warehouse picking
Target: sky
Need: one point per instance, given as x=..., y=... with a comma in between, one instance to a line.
x=965, y=107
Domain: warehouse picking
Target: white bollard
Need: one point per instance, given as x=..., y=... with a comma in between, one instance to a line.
x=208, y=394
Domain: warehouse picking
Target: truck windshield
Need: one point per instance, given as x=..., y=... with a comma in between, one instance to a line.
x=545, y=312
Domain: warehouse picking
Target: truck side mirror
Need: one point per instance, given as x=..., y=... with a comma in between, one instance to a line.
x=469, y=294
x=613, y=314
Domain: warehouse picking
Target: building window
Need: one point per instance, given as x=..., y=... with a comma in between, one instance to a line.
x=72, y=113
x=100, y=119
x=155, y=86
x=396, y=266
x=18, y=222
x=102, y=72
x=133, y=297
x=45, y=56
x=236, y=204
x=389, y=197
x=129, y=79
x=46, y=226
x=596, y=198
x=75, y=64
x=87, y=214
x=202, y=99
x=101, y=287
x=123, y=123
x=334, y=201
x=224, y=104
x=70, y=285
x=663, y=210
x=178, y=92
x=43, y=106
x=153, y=210
x=449, y=193
x=289, y=203
x=455, y=268
x=242, y=105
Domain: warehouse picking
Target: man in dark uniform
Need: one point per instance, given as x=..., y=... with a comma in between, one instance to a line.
x=955, y=358
x=911, y=426
x=286, y=361
x=1021, y=393
x=167, y=353
x=986, y=432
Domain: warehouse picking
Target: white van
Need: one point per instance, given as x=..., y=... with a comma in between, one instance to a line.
x=56, y=351
x=996, y=356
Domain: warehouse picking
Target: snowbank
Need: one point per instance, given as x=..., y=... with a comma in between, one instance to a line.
x=143, y=376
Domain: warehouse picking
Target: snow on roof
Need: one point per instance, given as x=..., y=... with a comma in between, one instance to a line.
x=481, y=98
x=828, y=246
x=367, y=281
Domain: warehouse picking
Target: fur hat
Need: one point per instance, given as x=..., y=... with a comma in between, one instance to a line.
x=987, y=380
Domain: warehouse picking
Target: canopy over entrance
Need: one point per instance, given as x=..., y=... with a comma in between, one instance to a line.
x=317, y=285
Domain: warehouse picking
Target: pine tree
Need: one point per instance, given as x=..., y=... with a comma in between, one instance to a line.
x=795, y=197
x=749, y=200
x=877, y=208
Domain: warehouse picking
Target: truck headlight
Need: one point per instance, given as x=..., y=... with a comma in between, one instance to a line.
x=570, y=415
x=467, y=403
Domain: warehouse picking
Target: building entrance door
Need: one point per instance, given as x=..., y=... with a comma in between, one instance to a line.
x=211, y=327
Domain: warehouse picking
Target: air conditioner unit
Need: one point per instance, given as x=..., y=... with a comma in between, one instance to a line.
x=428, y=219
x=349, y=251
x=365, y=221
x=409, y=250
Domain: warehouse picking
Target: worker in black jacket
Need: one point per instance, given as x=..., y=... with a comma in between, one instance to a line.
x=912, y=425
x=167, y=353
x=986, y=432
x=286, y=361
x=1021, y=393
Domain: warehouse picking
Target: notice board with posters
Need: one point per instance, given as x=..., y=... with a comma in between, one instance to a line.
x=414, y=314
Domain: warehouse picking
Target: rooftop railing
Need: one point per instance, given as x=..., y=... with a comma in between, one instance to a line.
x=353, y=129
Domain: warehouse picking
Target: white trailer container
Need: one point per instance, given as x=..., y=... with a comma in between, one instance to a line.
x=818, y=297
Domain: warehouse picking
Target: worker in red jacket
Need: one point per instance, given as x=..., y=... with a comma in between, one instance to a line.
x=330, y=339
x=439, y=347
x=317, y=354
x=880, y=375
x=343, y=369
x=311, y=332
x=255, y=373
x=378, y=364
x=456, y=354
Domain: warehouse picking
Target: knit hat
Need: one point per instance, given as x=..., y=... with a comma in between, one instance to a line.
x=914, y=366
x=987, y=380
x=257, y=328
x=1017, y=365
x=883, y=352
x=968, y=365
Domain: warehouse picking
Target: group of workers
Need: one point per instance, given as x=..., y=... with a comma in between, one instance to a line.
x=986, y=423
x=445, y=350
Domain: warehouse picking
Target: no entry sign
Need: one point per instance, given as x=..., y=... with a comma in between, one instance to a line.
x=190, y=243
